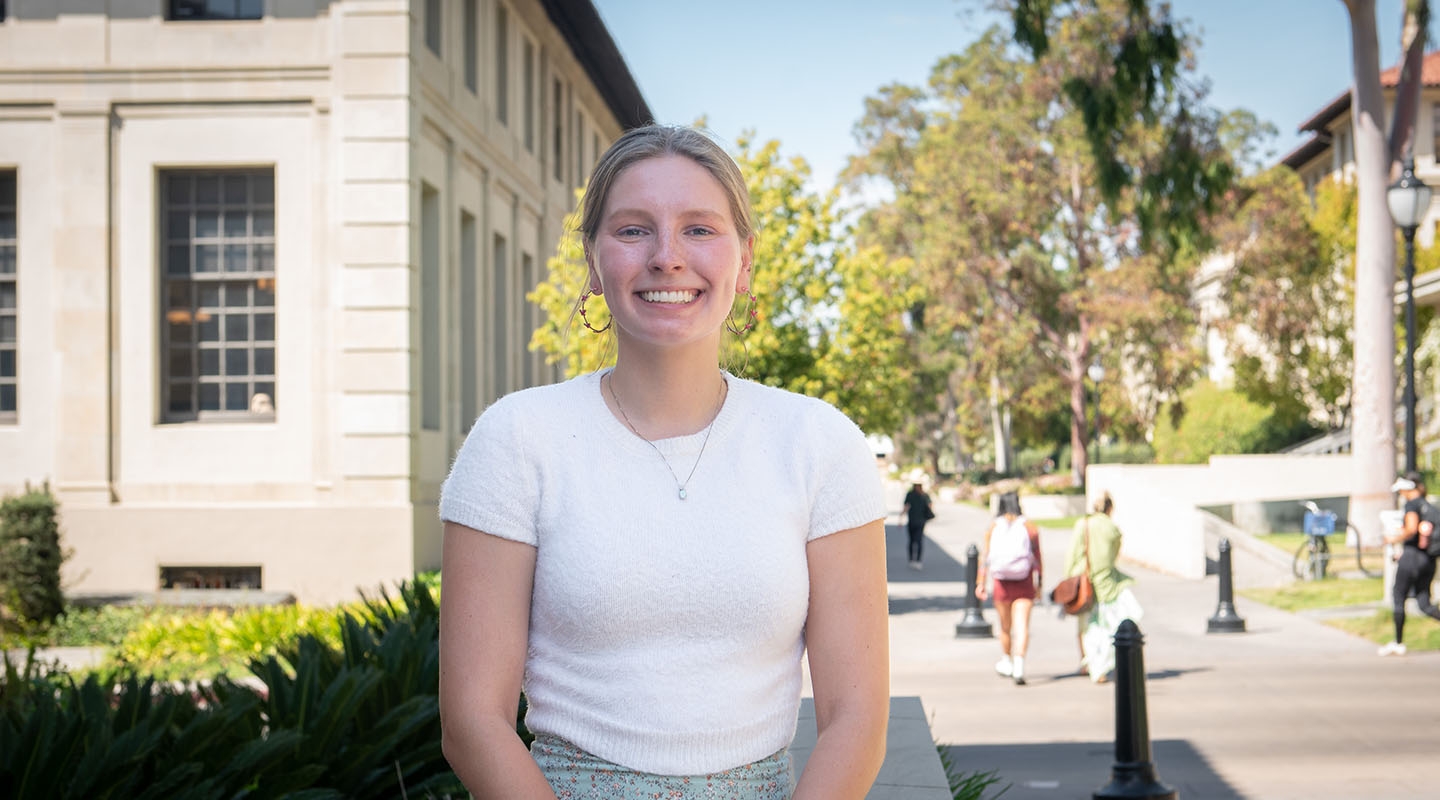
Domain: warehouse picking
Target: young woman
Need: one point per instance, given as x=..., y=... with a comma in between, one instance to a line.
x=648, y=550
x=1416, y=568
x=1011, y=558
x=1096, y=545
x=917, y=511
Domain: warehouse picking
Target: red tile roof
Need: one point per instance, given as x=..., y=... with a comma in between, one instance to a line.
x=1429, y=76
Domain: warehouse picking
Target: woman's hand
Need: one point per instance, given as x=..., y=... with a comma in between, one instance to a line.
x=980, y=584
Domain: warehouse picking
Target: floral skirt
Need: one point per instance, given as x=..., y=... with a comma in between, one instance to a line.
x=576, y=775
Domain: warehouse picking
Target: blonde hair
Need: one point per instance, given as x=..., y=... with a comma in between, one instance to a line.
x=654, y=141
x=1103, y=504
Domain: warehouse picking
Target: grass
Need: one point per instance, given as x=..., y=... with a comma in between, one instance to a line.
x=1067, y=523
x=1421, y=632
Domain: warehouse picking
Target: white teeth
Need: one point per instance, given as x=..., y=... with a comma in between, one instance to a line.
x=668, y=297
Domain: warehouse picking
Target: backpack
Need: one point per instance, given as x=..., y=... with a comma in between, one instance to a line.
x=1010, y=558
x=1430, y=514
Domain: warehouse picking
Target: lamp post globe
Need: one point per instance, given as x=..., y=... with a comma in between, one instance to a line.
x=1409, y=201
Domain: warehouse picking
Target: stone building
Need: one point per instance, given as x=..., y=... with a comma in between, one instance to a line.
x=263, y=261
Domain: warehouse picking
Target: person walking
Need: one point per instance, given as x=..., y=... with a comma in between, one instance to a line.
x=1415, y=570
x=1011, y=559
x=917, y=511
x=634, y=550
x=1094, y=550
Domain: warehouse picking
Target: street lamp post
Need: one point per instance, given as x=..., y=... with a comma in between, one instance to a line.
x=1409, y=199
x=1097, y=374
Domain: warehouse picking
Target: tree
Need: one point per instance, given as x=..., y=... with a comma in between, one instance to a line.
x=1032, y=270
x=830, y=316
x=1373, y=426
x=1288, y=296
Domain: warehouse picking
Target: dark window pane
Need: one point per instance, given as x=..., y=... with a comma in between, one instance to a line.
x=180, y=362
x=265, y=293
x=235, y=224
x=7, y=330
x=209, y=397
x=208, y=327
x=181, y=332
x=177, y=225
x=207, y=189
x=262, y=189
x=237, y=397
x=235, y=189
x=177, y=189
x=268, y=389
x=237, y=295
x=237, y=361
x=7, y=397
x=177, y=294
x=7, y=187
x=180, y=400
x=237, y=327
x=7, y=223
x=209, y=295
x=237, y=258
x=207, y=224
x=264, y=327
x=264, y=256
x=7, y=295
x=7, y=363
x=210, y=361
x=177, y=259
x=264, y=222
x=264, y=361
x=7, y=260
x=207, y=258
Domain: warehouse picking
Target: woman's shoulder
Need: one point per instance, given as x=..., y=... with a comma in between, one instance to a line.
x=539, y=402
x=787, y=407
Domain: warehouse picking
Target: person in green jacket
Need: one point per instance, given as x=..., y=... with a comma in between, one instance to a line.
x=1098, y=535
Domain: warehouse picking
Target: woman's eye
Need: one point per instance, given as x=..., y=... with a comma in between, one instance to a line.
x=702, y=231
x=629, y=230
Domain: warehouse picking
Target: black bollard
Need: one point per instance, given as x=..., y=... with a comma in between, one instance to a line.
x=973, y=624
x=1225, y=619
x=1133, y=776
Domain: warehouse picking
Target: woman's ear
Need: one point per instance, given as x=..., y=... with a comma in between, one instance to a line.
x=592, y=276
x=743, y=283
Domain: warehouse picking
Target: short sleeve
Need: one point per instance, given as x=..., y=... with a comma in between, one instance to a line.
x=848, y=489
x=491, y=486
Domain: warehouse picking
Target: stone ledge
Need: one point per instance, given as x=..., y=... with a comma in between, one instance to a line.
x=912, y=768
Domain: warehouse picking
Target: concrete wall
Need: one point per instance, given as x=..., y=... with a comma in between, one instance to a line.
x=1158, y=507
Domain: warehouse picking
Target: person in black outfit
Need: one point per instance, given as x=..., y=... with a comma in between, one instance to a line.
x=917, y=512
x=1415, y=570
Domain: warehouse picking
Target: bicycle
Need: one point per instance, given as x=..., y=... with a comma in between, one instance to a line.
x=1312, y=559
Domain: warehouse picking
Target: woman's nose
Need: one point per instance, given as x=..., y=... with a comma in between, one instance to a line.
x=667, y=254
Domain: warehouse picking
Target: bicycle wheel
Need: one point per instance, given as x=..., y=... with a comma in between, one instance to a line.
x=1320, y=558
x=1352, y=533
x=1301, y=563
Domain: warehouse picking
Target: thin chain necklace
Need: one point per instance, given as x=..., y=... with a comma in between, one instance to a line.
x=679, y=485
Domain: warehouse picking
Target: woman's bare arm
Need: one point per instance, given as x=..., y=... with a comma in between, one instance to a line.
x=484, y=631
x=848, y=642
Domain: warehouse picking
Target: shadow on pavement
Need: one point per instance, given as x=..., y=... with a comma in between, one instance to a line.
x=939, y=566
x=910, y=605
x=1054, y=770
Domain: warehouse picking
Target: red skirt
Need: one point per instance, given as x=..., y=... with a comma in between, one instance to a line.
x=1009, y=591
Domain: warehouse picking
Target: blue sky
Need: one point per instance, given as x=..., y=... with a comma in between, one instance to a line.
x=799, y=70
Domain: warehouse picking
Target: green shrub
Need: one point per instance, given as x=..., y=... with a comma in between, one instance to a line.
x=1211, y=421
x=358, y=719
x=197, y=645
x=30, y=557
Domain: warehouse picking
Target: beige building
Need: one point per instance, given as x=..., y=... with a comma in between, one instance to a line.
x=263, y=261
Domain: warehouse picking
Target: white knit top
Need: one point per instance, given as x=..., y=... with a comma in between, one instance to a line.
x=665, y=634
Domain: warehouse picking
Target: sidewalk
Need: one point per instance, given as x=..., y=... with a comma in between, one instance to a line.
x=1290, y=709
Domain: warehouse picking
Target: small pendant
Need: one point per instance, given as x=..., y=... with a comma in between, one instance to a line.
x=682, y=493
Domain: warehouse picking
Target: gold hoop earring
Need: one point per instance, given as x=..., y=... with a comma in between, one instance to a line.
x=584, y=320
x=751, y=314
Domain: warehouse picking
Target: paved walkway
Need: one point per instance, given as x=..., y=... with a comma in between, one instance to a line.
x=1290, y=709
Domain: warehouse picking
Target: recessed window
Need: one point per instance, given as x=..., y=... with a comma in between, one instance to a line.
x=186, y=10
x=557, y=117
x=217, y=357
x=433, y=18
x=472, y=44
x=9, y=301
x=469, y=323
x=210, y=577
x=500, y=319
x=529, y=89
x=429, y=308
x=502, y=64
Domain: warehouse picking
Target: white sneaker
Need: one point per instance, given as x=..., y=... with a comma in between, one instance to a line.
x=1018, y=671
x=915, y=565
x=1392, y=649
x=1005, y=667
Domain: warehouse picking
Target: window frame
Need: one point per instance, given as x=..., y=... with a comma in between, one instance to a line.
x=9, y=245
x=208, y=293
x=207, y=15
x=433, y=28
